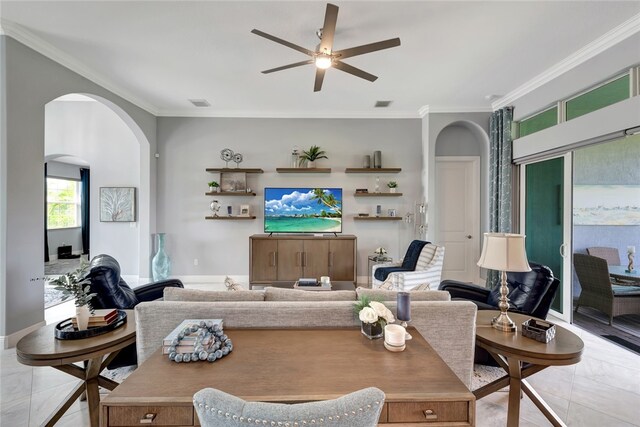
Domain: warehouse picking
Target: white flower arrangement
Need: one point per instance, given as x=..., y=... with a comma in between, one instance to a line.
x=380, y=251
x=373, y=312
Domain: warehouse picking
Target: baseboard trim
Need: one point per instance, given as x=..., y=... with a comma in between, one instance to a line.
x=9, y=341
x=242, y=279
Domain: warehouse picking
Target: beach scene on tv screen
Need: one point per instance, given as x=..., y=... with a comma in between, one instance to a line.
x=300, y=210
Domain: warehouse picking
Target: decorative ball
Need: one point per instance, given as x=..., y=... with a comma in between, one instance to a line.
x=203, y=355
x=225, y=351
x=179, y=357
x=218, y=354
x=172, y=355
x=186, y=357
x=211, y=357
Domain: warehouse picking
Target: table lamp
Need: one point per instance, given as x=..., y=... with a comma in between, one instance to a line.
x=504, y=252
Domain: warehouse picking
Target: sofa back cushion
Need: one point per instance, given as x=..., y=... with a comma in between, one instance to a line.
x=181, y=294
x=387, y=295
x=283, y=294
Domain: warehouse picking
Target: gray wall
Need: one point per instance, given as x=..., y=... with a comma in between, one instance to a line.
x=615, y=163
x=188, y=146
x=92, y=132
x=31, y=80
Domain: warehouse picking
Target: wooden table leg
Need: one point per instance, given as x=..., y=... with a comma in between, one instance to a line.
x=93, y=396
x=66, y=403
x=515, y=381
x=542, y=405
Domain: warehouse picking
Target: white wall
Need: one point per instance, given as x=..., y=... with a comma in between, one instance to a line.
x=188, y=146
x=94, y=133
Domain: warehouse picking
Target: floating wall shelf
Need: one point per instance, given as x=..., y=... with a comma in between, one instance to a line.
x=377, y=218
x=377, y=194
x=226, y=170
x=230, y=217
x=372, y=170
x=303, y=170
x=229, y=193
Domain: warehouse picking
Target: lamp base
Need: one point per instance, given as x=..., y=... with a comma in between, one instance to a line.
x=503, y=323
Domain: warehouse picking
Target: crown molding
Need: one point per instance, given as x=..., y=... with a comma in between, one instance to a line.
x=444, y=109
x=41, y=46
x=205, y=112
x=599, y=45
x=423, y=111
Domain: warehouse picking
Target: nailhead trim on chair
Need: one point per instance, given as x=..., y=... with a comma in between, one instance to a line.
x=281, y=423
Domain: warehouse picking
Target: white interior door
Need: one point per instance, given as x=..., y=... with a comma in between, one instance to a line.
x=458, y=216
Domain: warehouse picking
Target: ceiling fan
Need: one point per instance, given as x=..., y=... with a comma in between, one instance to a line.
x=324, y=56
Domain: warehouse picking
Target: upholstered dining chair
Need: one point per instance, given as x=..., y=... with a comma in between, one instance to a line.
x=421, y=268
x=362, y=408
x=598, y=292
x=113, y=292
x=611, y=255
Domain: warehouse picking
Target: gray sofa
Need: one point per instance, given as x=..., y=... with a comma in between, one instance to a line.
x=448, y=326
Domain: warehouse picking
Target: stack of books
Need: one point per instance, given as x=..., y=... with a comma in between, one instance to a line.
x=100, y=318
x=187, y=344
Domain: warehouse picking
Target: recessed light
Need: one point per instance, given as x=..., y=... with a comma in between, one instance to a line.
x=382, y=104
x=200, y=102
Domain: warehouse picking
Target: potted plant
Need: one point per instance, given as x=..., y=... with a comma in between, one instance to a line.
x=310, y=156
x=214, y=186
x=76, y=284
x=373, y=316
x=392, y=186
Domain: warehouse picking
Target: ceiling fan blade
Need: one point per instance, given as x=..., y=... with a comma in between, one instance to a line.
x=285, y=67
x=319, y=79
x=283, y=42
x=367, y=48
x=355, y=71
x=329, y=28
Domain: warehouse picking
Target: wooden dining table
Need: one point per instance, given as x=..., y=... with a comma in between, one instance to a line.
x=619, y=273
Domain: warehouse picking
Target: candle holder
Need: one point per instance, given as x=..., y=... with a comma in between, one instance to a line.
x=404, y=311
x=630, y=266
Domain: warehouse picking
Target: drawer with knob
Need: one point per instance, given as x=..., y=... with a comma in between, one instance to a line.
x=150, y=416
x=428, y=412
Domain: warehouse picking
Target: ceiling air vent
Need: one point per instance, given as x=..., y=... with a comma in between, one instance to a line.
x=200, y=102
x=383, y=104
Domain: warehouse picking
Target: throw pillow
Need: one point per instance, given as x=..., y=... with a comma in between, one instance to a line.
x=359, y=409
x=416, y=295
x=181, y=294
x=283, y=294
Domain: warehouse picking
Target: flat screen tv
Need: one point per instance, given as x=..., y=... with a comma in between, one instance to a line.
x=303, y=210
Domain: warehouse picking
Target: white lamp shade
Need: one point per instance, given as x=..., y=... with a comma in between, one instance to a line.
x=504, y=252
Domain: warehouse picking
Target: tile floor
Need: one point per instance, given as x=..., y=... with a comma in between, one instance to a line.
x=602, y=390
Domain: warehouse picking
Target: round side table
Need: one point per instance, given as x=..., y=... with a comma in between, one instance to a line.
x=41, y=348
x=375, y=260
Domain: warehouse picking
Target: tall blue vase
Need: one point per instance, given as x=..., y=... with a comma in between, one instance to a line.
x=161, y=263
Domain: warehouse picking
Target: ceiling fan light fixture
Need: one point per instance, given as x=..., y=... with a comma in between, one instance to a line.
x=323, y=61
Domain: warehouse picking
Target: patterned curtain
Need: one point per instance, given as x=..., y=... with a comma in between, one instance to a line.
x=500, y=168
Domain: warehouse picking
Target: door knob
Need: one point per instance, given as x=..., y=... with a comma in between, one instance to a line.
x=468, y=236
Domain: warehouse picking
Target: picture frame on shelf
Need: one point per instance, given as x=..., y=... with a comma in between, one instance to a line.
x=244, y=210
x=233, y=182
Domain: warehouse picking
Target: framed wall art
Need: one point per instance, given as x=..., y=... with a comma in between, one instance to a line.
x=117, y=204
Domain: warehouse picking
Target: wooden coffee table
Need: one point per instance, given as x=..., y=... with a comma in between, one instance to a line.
x=41, y=348
x=297, y=365
x=522, y=357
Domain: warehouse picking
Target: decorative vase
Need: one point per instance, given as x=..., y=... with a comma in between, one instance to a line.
x=211, y=189
x=373, y=331
x=82, y=317
x=161, y=263
x=311, y=164
x=392, y=190
x=377, y=159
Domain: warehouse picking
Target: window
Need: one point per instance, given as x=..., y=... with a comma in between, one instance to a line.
x=63, y=203
x=540, y=121
x=600, y=97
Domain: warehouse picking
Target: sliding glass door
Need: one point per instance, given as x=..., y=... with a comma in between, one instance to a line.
x=546, y=221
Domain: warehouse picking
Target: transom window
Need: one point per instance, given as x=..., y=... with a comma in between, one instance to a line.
x=63, y=203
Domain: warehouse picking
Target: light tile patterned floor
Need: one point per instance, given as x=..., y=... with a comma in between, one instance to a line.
x=602, y=390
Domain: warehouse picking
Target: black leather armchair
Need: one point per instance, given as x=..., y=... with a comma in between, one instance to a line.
x=530, y=293
x=113, y=292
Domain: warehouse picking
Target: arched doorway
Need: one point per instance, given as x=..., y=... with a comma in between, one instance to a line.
x=461, y=157
x=97, y=130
